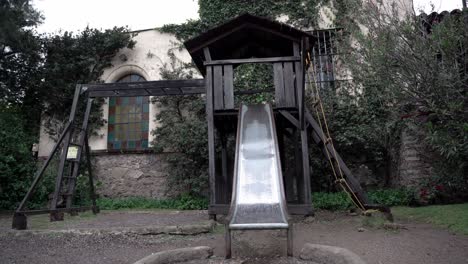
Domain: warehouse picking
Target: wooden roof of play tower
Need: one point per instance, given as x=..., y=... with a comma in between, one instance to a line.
x=243, y=37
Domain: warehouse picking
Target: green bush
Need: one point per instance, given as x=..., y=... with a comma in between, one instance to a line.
x=331, y=201
x=391, y=197
x=341, y=201
x=16, y=161
x=183, y=202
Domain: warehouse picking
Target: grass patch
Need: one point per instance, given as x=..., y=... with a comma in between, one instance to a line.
x=453, y=216
x=184, y=202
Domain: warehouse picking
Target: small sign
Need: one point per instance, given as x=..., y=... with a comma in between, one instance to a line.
x=72, y=153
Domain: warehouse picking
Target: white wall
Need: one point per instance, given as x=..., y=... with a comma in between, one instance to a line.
x=146, y=59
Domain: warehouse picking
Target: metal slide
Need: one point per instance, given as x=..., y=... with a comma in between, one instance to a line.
x=258, y=200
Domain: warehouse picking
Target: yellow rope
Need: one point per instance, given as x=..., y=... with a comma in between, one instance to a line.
x=318, y=102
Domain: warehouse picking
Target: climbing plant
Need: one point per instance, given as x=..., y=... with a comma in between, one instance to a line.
x=410, y=71
x=303, y=14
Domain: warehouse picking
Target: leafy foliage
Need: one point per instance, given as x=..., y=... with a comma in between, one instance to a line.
x=20, y=53
x=299, y=13
x=76, y=58
x=403, y=70
x=341, y=201
x=37, y=78
x=16, y=161
x=182, y=132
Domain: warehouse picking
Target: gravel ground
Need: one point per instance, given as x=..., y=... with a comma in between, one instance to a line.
x=414, y=244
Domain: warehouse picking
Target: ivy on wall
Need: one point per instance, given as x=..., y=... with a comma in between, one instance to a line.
x=303, y=14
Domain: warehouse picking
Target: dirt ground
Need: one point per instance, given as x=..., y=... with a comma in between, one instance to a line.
x=413, y=244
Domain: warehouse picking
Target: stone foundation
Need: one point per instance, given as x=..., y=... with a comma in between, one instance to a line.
x=131, y=175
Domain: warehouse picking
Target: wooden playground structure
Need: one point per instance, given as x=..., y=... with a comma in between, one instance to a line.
x=246, y=39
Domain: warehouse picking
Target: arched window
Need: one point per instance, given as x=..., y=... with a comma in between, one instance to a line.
x=128, y=120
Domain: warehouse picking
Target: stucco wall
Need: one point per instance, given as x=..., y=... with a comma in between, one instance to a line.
x=147, y=59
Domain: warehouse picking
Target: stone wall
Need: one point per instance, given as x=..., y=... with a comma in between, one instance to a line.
x=415, y=159
x=130, y=175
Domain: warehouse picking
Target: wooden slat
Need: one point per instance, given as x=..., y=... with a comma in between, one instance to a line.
x=143, y=85
x=228, y=87
x=279, y=84
x=211, y=143
x=43, y=211
x=218, y=87
x=298, y=69
x=172, y=91
x=289, y=86
x=254, y=60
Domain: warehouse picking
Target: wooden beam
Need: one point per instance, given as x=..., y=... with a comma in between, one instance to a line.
x=212, y=40
x=289, y=86
x=206, y=52
x=254, y=60
x=279, y=84
x=228, y=87
x=150, y=88
x=218, y=90
x=290, y=118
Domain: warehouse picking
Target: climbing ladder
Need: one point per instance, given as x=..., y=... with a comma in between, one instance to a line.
x=322, y=137
x=72, y=149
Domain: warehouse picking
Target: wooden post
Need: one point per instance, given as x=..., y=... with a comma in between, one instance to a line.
x=224, y=171
x=306, y=168
x=290, y=242
x=92, y=192
x=210, y=124
x=227, y=239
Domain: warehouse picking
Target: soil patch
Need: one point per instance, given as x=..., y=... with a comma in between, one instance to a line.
x=416, y=243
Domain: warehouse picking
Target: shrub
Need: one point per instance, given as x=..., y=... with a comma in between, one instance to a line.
x=341, y=201
x=391, y=197
x=183, y=202
x=16, y=161
x=331, y=201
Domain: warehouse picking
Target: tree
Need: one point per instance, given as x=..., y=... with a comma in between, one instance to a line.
x=20, y=52
x=37, y=78
x=407, y=67
x=72, y=59
x=183, y=133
